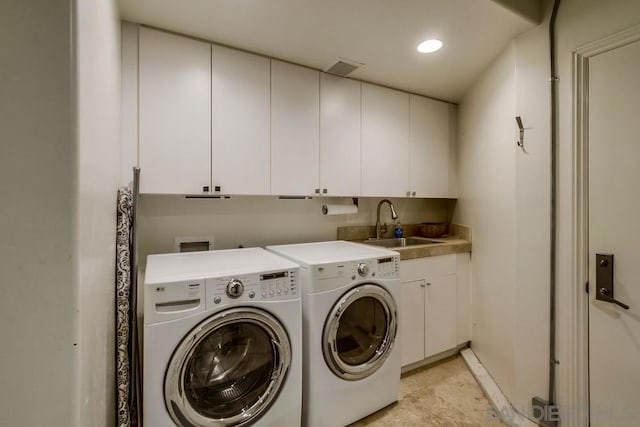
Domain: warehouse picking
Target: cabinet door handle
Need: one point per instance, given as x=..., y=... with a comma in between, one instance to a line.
x=317, y=191
x=205, y=188
x=408, y=193
x=428, y=284
x=422, y=285
x=413, y=194
x=324, y=191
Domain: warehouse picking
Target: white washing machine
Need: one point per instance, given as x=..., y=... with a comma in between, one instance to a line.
x=222, y=340
x=350, y=297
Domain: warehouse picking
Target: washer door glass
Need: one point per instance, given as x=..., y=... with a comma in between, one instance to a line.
x=360, y=332
x=228, y=370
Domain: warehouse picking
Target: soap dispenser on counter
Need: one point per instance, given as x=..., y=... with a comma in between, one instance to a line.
x=398, y=232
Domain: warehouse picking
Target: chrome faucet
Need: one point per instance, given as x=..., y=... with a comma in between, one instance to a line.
x=383, y=228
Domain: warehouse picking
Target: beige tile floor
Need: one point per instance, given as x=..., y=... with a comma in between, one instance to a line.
x=444, y=394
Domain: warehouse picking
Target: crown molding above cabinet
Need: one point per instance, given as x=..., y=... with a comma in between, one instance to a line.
x=213, y=120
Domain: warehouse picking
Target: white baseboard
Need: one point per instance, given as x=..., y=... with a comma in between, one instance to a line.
x=498, y=400
x=433, y=359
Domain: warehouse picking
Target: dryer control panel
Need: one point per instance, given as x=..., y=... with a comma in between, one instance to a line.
x=334, y=275
x=274, y=285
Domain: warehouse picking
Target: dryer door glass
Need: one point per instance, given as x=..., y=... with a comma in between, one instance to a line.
x=228, y=370
x=360, y=332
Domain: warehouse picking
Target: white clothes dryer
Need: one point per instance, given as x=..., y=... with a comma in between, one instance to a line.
x=222, y=340
x=350, y=297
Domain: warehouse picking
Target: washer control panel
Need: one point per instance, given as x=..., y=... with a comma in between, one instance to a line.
x=275, y=285
x=388, y=267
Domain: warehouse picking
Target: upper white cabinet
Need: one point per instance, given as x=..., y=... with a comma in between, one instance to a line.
x=429, y=147
x=240, y=121
x=211, y=119
x=340, y=136
x=174, y=113
x=295, y=117
x=385, y=142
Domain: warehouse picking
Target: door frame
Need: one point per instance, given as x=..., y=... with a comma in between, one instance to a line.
x=577, y=374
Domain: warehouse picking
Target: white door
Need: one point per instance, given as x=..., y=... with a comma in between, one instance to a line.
x=385, y=142
x=295, y=129
x=429, y=149
x=340, y=135
x=614, y=228
x=240, y=122
x=440, y=328
x=412, y=321
x=175, y=118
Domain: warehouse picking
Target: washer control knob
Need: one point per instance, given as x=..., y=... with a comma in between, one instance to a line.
x=235, y=288
x=363, y=269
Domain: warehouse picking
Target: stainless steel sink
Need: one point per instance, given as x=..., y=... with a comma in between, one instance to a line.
x=401, y=242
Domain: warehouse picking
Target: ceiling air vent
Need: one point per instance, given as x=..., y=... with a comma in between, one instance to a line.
x=343, y=67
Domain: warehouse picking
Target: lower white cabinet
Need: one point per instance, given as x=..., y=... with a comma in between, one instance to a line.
x=432, y=306
x=412, y=321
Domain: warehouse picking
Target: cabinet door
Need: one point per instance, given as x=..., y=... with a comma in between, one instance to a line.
x=385, y=142
x=429, y=148
x=412, y=322
x=175, y=113
x=295, y=129
x=340, y=135
x=440, y=315
x=240, y=122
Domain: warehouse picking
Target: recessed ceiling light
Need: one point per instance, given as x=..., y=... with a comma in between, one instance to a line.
x=429, y=46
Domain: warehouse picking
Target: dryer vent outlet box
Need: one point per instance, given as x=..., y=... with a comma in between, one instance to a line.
x=193, y=243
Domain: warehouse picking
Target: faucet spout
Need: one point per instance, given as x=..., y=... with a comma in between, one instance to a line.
x=383, y=228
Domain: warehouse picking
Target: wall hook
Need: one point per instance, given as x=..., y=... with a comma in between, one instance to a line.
x=521, y=141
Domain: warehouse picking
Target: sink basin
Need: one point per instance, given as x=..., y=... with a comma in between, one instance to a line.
x=401, y=242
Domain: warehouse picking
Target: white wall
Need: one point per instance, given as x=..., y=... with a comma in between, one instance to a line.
x=504, y=196
x=59, y=127
x=486, y=202
x=38, y=351
x=260, y=221
x=97, y=36
x=516, y=352
x=579, y=22
x=532, y=219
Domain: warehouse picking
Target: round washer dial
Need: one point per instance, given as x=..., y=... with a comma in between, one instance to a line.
x=363, y=269
x=235, y=288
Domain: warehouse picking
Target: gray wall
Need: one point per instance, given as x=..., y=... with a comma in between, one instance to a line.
x=59, y=169
x=38, y=308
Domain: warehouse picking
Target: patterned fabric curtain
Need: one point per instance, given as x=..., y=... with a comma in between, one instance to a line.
x=127, y=358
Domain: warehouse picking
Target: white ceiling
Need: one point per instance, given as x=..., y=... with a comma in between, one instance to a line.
x=382, y=34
